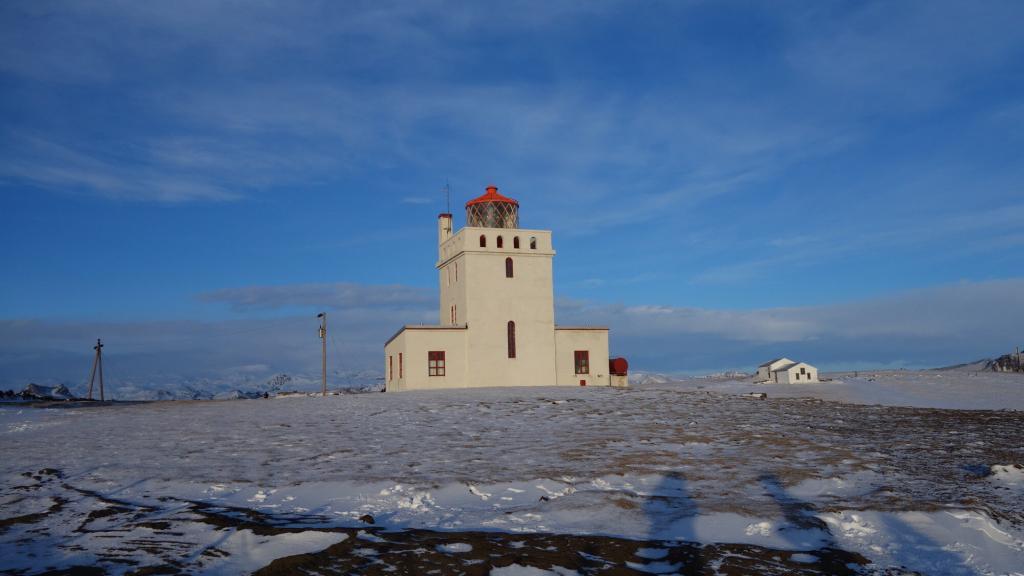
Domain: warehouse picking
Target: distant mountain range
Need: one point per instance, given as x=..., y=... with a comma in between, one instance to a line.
x=204, y=389
x=1005, y=363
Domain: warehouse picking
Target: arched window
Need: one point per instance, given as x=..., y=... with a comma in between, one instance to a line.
x=483, y=241
x=508, y=267
x=533, y=242
x=515, y=242
x=511, y=339
x=501, y=242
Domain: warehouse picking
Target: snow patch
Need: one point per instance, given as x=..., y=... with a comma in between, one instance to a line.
x=947, y=542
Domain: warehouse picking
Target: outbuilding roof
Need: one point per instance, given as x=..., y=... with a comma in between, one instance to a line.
x=785, y=367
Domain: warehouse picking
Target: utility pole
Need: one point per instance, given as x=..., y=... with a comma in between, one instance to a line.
x=97, y=361
x=323, y=341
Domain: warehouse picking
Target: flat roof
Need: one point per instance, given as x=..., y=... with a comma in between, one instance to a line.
x=425, y=327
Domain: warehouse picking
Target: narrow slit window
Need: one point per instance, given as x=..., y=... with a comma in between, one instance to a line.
x=508, y=268
x=500, y=242
x=511, y=339
x=483, y=241
x=581, y=360
x=401, y=368
x=515, y=242
x=391, y=368
x=435, y=363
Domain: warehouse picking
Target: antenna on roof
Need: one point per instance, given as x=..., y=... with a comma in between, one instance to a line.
x=447, y=197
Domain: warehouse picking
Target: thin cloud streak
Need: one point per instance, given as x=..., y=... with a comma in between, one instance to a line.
x=337, y=296
x=923, y=328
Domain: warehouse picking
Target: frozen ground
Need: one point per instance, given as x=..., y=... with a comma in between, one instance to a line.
x=961, y=389
x=660, y=478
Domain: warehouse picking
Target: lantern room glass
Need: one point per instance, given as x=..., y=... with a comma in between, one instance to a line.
x=493, y=215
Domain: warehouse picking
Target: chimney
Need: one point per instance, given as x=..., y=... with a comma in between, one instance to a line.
x=444, y=229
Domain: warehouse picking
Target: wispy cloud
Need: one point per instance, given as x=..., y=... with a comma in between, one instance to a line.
x=341, y=295
x=419, y=200
x=48, y=164
x=930, y=327
x=911, y=55
x=982, y=230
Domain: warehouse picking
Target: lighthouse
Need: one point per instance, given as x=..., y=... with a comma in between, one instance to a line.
x=496, y=313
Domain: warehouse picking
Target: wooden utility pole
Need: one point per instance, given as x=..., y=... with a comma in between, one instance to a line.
x=97, y=361
x=323, y=341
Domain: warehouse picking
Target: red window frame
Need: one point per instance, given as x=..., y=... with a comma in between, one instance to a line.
x=581, y=361
x=435, y=363
x=511, y=339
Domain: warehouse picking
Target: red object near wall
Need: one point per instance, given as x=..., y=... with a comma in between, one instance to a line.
x=618, y=366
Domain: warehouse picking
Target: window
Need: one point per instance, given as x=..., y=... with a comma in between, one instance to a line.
x=501, y=242
x=803, y=370
x=391, y=368
x=401, y=369
x=483, y=241
x=515, y=242
x=533, y=242
x=797, y=376
x=508, y=267
x=452, y=314
x=511, y=339
x=435, y=363
x=456, y=271
x=581, y=358
x=455, y=314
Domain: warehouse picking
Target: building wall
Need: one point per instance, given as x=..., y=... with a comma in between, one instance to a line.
x=452, y=280
x=485, y=299
x=594, y=340
x=766, y=373
x=492, y=300
x=789, y=376
x=413, y=343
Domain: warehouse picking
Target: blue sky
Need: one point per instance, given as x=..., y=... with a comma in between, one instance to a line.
x=171, y=170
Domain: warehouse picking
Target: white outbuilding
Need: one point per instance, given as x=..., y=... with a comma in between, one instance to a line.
x=786, y=371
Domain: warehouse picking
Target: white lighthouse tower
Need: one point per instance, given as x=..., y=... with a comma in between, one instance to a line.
x=497, y=314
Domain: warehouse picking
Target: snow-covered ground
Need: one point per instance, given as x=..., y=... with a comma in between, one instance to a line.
x=959, y=389
x=226, y=487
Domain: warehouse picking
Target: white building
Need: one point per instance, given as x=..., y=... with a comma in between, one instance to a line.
x=497, y=313
x=786, y=371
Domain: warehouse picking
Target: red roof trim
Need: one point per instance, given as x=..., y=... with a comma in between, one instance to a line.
x=491, y=196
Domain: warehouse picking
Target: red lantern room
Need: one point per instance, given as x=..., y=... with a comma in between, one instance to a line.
x=492, y=210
